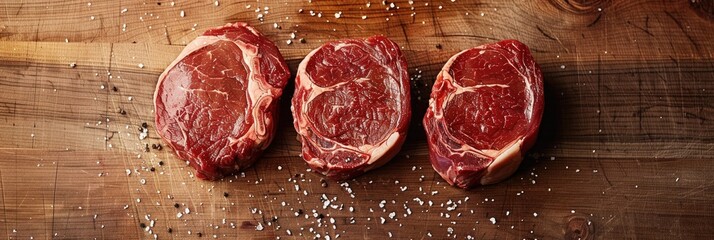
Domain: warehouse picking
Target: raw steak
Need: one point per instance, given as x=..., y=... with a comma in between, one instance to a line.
x=216, y=104
x=351, y=106
x=484, y=113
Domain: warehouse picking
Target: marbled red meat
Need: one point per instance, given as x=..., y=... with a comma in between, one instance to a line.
x=216, y=104
x=351, y=106
x=484, y=112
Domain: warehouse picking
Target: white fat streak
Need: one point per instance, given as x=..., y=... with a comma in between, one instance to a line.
x=376, y=152
x=338, y=46
x=460, y=90
x=505, y=164
x=304, y=82
x=203, y=90
x=492, y=153
x=259, y=92
x=316, y=163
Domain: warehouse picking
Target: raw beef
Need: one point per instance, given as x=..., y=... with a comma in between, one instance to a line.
x=484, y=113
x=216, y=104
x=351, y=106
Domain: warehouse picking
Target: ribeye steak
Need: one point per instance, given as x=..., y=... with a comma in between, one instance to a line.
x=484, y=112
x=216, y=104
x=351, y=106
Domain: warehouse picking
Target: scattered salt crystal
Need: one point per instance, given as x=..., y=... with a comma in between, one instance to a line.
x=493, y=220
x=183, y=14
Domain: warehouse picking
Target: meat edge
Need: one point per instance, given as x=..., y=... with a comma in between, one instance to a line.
x=506, y=161
x=264, y=105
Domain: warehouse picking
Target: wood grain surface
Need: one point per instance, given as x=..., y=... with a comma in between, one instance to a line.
x=625, y=150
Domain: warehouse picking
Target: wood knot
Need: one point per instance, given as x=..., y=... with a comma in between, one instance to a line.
x=704, y=8
x=579, y=6
x=578, y=227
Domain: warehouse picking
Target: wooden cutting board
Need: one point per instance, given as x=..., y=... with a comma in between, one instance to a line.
x=625, y=150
